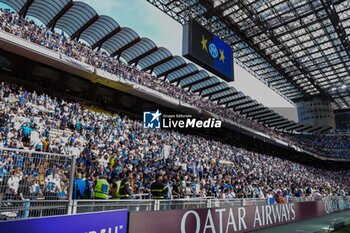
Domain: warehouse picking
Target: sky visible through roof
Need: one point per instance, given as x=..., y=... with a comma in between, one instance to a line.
x=150, y=22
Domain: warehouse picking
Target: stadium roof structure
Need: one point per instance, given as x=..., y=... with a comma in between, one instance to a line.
x=298, y=48
x=81, y=22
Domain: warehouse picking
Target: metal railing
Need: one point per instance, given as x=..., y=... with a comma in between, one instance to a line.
x=182, y=204
x=305, y=199
x=42, y=178
x=83, y=206
x=36, y=170
x=12, y=209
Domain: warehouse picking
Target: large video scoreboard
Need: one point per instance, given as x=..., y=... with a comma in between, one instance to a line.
x=207, y=50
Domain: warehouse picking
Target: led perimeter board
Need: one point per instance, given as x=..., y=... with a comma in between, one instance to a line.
x=207, y=50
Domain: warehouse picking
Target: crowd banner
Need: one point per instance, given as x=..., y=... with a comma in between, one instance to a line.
x=77, y=64
x=98, y=222
x=235, y=219
x=166, y=151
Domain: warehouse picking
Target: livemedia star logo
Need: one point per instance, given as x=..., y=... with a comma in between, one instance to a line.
x=151, y=120
x=157, y=120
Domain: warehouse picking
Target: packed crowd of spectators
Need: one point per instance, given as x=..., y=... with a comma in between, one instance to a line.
x=343, y=125
x=112, y=146
x=333, y=145
x=12, y=23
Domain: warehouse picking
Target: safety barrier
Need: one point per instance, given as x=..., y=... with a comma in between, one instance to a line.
x=305, y=199
x=238, y=219
x=37, y=170
x=14, y=209
x=11, y=209
x=48, y=177
x=83, y=206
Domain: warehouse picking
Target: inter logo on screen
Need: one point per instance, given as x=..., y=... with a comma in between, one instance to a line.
x=213, y=50
x=207, y=50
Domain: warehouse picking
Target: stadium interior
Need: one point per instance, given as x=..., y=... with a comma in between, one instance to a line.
x=73, y=96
